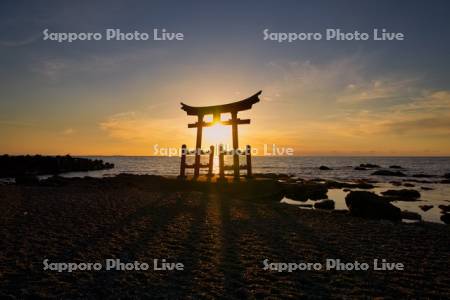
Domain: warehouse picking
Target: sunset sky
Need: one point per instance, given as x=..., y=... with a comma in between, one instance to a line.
x=319, y=97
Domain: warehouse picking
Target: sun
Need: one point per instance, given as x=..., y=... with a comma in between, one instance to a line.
x=217, y=134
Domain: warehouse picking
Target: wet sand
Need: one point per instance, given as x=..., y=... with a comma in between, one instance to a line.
x=222, y=241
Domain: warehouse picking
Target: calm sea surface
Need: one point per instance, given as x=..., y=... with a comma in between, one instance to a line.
x=308, y=167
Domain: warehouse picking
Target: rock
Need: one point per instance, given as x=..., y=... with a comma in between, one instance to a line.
x=317, y=180
x=423, y=176
x=395, y=167
x=363, y=185
x=369, y=180
x=324, y=168
x=26, y=179
x=425, y=188
x=55, y=180
x=23, y=165
x=340, y=211
x=409, y=215
x=423, y=181
x=447, y=175
x=324, y=204
x=445, y=181
x=389, y=173
x=444, y=208
x=305, y=205
x=426, y=207
x=396, y=183
x=369, y=166
x=371, y=206
x=360, y=169
x=404, y=194
x=445, y=218
x=331, y=184
x=407, y=184
x=306, y=190
x=346, y=190
x=274, y=176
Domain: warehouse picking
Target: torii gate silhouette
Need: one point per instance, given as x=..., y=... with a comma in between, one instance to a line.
x=216, y=110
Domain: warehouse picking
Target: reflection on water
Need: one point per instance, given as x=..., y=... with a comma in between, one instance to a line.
x=429, y=197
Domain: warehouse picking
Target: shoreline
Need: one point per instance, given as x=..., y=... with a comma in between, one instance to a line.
x=430, y=189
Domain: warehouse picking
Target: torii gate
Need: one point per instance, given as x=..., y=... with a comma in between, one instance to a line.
x=216, y=111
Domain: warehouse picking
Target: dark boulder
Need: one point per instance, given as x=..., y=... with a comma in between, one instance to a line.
x=396, y=183
x=26, y=179
x=363, y=185
x=324, y=168
x=447, y=175
x=424, y=176
x=409, y=215
x=369, y=166
x=56, y=180
x=426, y=207
x=324, y=204
x=445, y=218
x=389, y=173
x=360, y=169
x=444, y=208
x=275, y=176
x=22, y=165
x=395, y=167
x=331, y=184
x=304, y=191
x=305, y=205
x=404, y=194
x=425, y=188
x=371, y=206
x=407, y=184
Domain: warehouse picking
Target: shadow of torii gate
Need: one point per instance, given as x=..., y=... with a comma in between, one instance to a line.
x=216, y=110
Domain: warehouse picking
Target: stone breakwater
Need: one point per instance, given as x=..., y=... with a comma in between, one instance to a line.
x=27, y=165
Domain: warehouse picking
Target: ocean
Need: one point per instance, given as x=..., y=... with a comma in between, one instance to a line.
x=342, y=169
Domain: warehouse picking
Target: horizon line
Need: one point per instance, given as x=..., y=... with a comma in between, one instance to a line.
x=278, y=156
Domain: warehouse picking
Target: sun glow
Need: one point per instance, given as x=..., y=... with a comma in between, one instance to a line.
x=217, y=134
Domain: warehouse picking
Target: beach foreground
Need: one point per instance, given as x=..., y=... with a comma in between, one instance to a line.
x=221, y=239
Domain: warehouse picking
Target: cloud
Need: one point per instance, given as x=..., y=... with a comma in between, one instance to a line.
x=68, y=131
x=429, y=114
x=21, y=42
x=430, y=125
x=10, y=123
x=59, y=68
x=126, y=126
x=345, y=107
x=52, y=69
x=140, y=127
x=294, y=80
x=341, y=82
x=377, y=90
x=424, y=115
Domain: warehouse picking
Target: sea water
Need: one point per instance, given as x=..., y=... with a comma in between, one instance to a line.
x=342, y=169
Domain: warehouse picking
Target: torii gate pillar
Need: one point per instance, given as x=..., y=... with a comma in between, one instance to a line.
x=198, y=146
x=234, y=125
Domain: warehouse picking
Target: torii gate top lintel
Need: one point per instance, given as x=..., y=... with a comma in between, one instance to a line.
x=244, y=104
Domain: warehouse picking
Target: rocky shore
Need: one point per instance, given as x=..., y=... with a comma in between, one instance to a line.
x=220, y=232
x=26, y=167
